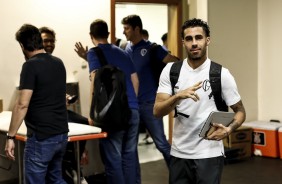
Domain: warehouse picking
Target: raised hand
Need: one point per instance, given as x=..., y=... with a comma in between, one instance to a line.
x=81, y=51
x=190, y=92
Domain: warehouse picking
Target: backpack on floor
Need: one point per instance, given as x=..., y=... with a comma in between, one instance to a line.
x=215, y=81
x=109, y=106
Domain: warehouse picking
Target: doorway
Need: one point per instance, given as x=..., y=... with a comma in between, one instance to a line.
x=174, y=21
x=152, y=24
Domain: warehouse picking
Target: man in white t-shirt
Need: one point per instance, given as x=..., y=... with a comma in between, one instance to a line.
x=193, y=158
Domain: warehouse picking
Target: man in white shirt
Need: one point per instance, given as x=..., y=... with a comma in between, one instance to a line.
x=193, y=158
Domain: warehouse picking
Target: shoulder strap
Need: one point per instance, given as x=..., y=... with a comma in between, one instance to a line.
x=152, y=51
x=215, y=81
x=174, y=75
x=100, y=56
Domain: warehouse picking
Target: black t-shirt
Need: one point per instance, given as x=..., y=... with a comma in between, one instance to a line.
x=47, y=113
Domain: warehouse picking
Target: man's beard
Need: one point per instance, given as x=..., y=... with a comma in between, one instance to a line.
x=192, y=57
x=197, y=57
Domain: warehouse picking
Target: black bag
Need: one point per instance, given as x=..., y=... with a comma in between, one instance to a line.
x=109, y=106
x=215, y=81
x=157, y=65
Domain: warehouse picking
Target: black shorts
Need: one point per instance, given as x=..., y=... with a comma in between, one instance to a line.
x=195, y=171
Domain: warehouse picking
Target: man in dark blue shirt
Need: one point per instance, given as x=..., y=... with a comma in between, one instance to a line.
x=139, y=51
x=119, y=148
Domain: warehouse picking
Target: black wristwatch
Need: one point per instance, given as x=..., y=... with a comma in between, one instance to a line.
x=10, y=137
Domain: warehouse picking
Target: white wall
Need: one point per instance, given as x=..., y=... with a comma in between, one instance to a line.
x=69, y=18
x=245, y=38
x=155, y=25
x=269, y=59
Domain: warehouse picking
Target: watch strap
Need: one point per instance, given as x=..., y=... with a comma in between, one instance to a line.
x=10, y=137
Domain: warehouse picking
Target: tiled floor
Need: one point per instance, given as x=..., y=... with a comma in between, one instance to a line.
x=257, y=170
x=147, y=152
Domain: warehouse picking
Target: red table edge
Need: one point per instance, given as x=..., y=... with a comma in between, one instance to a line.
x=75, y=137
x=87, y=136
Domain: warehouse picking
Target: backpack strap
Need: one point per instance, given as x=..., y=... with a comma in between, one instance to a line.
x=101, y=56
x=215, y=81
x=174, y=75
x=157, y=65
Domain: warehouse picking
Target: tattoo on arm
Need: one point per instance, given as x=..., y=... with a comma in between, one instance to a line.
x=236, y=123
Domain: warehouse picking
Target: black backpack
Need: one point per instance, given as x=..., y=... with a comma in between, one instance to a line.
x=157, y=65
x=215, y=81
x=109, y=106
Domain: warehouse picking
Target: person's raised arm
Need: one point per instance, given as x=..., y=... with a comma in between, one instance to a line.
x=165, y=103
x=81, y=51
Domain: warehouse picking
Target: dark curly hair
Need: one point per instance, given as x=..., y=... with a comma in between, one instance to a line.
x=30, y=37
x=195, y=23
x=48, y=31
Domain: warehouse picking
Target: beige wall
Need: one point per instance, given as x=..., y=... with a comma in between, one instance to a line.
x=234, y=44
x=245, y=35
x=69, y=18
x=269, y=59
x=246, y=39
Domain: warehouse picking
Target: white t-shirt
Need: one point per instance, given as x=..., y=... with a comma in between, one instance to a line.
x=186, y=142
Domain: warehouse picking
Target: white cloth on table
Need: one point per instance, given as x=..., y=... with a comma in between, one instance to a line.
x=74, y=128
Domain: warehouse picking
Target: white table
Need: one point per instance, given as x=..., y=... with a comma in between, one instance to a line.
x=77, y=132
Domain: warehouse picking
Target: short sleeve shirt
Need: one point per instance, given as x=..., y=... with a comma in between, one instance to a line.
x=140, y=56
x=186, y=142
x=45, y=75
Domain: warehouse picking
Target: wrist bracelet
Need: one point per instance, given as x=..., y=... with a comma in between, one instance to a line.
x=10, y=137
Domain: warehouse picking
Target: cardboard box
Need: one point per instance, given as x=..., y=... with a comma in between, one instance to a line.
x=243, y=151
x=265, y=138
x=1, y=105
x=242, y=134
x=280, y=141
x=240, y=143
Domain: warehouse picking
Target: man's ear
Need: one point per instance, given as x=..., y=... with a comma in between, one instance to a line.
x=208, y=40
x=22, y=46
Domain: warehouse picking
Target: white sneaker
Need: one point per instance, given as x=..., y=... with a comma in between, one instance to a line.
x=149, y=140
x=83, y=180
x=74, y=176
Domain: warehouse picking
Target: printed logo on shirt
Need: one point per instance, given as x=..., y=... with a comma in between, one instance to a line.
x=206, y=85
x=143, y=52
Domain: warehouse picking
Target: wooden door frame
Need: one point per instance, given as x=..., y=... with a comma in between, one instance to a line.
x=174, y=29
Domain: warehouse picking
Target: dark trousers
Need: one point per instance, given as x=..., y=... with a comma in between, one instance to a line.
x=195, y=171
